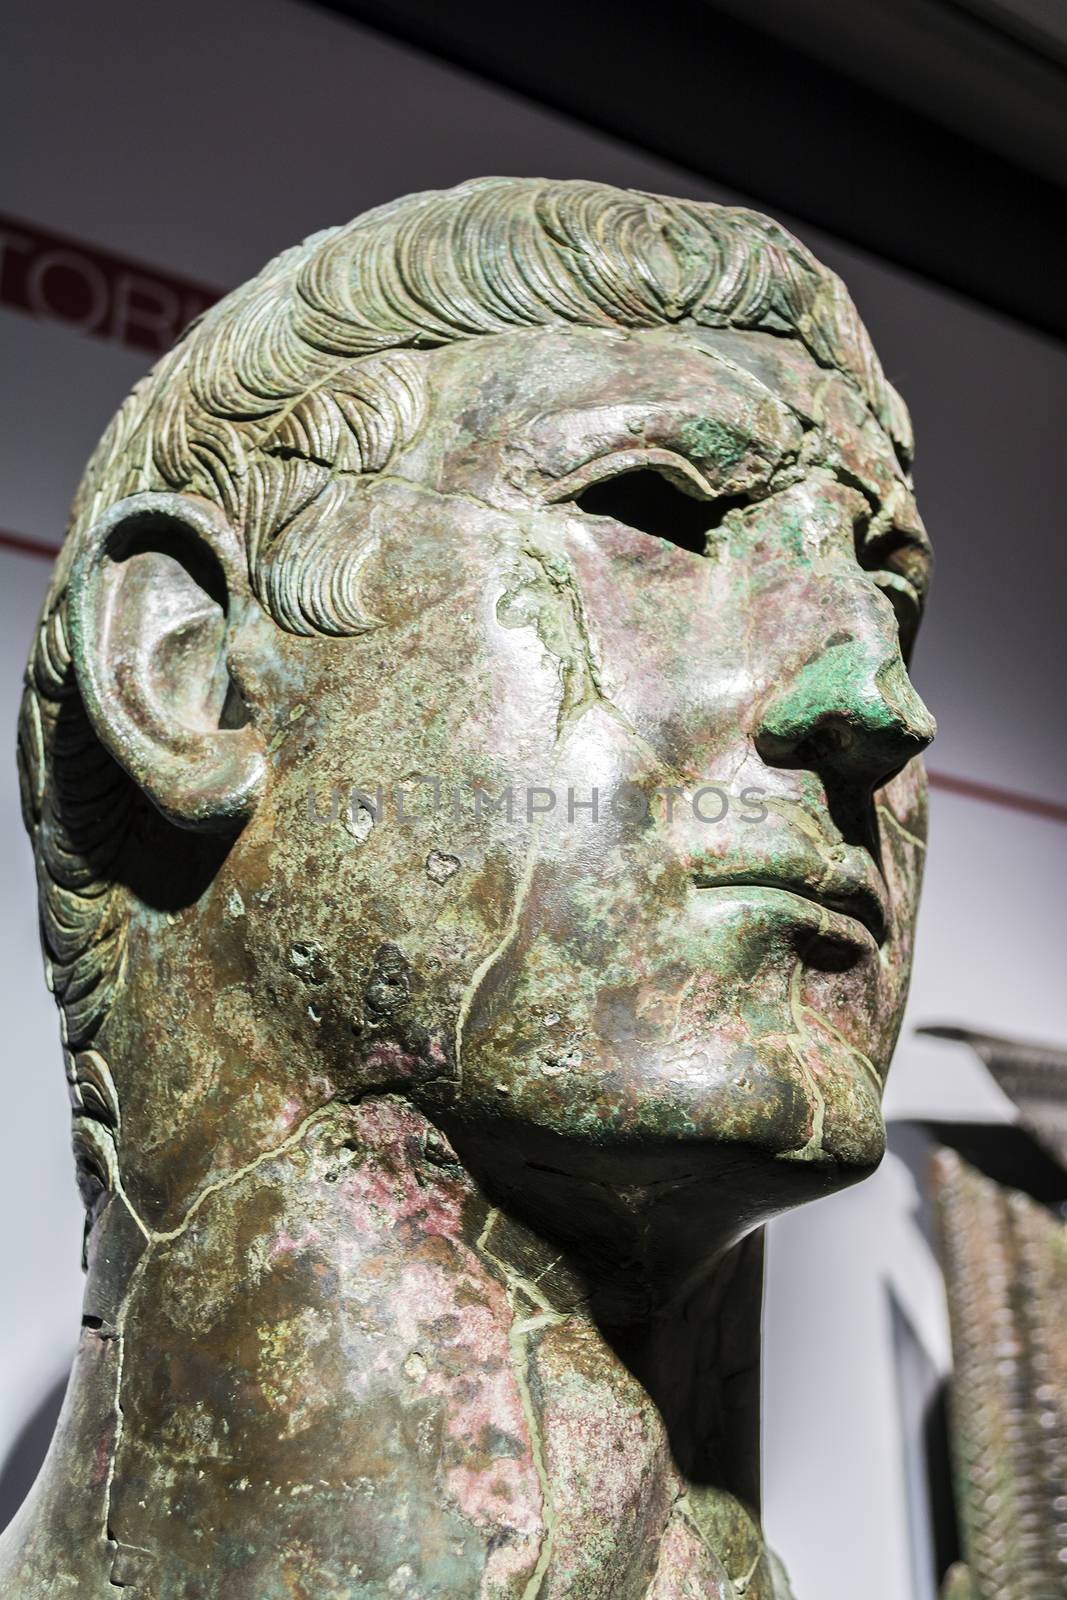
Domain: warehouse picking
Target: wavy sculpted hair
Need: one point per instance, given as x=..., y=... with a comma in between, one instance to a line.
x=307, y=370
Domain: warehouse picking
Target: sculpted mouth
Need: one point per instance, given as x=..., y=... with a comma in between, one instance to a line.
x=857, y=900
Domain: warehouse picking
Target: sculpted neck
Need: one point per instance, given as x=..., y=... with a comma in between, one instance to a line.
x=345, y=1362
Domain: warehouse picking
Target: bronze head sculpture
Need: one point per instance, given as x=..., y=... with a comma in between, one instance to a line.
x=473, y=775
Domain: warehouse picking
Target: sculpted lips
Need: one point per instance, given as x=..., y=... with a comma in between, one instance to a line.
x=854, y=895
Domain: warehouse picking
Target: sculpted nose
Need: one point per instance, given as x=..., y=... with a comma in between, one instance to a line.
x=850, y=712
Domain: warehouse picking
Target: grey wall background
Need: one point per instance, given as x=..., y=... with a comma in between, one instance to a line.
x=205, y=138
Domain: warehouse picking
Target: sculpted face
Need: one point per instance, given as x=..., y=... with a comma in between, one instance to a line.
x=662, y=989
x=474, y=782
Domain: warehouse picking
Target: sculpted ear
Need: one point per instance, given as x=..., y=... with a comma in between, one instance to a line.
x=156, y=592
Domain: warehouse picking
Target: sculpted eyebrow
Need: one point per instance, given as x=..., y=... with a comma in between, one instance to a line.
x=577, y=434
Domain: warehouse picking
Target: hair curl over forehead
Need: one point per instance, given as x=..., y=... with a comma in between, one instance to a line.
x=310, y=369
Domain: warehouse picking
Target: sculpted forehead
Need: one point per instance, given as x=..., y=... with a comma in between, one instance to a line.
x=522, y=412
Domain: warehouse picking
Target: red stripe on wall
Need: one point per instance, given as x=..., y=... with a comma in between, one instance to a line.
x=991, y=795
x=28, y=547
x=970, y=788
x=95, y=291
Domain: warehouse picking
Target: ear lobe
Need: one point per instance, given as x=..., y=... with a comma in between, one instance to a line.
x=152, y=597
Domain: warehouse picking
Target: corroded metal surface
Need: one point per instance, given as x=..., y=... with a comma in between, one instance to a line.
x=1005, y=1263
x=1005, y=1260
x=426, y=1133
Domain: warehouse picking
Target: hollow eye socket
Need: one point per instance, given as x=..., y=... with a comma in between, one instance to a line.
x=905, y=601
x=645, y=498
